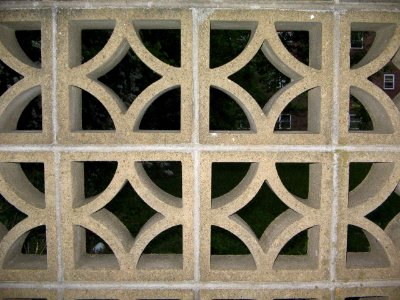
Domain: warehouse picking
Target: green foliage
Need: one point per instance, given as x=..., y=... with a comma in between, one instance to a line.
x=129, y=78
x=169, y=241
x=224, y=242
x=31, y=116
x=386, y=211
x=356, y=240
x=35, y=174
x=94, y=114
x=9, y=215
x=167, y=48
x=296, y=42
x=8, y=77
x=169, y=182
x=130, y=209
x=295, y=177
x=97, y=176
x=30, y=41
x=260, y=211
x=35, y=242
x=357, y=173
x=93, y=41
x=226, y=176
x=225, y=45
x=164, y=113
x=296, y=245
x=260, y=78
x=225, y=113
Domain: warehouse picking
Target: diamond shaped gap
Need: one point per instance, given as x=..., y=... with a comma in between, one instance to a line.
x=130, y=209
x=164, y=113
x=93, y=41
x=165, y=44
x=387, y=79
x=35, y=242
x=262, y=210
x=260, y=78
x=385, y=213
x=226, y=113
x=9, y=215
x=30, y=42
x=167, y=175
x=97, y=176
x=94, y=115
x=297, y=43
x=9, y=77
x=225, y=45
x=129, y=78
x=359, y=118
x=301, y=114
x=31, y=116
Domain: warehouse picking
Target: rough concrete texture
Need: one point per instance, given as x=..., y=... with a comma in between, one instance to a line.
x=328, y=271
x=265, y=263
x=73, y=77
x=316, y=78
x=36, y=81
x=128, y=262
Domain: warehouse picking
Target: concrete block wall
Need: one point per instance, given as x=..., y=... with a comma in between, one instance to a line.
x=328, y=271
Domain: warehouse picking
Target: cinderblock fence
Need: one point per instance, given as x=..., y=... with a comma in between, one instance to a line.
x=328, y=269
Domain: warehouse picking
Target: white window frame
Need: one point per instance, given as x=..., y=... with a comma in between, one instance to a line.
x=354, y=122
x=283, y=119
x=390, y=82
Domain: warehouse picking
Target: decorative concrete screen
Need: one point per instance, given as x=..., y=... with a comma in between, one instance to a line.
x=68, y=268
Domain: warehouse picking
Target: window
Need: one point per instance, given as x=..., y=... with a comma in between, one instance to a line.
x=357, y=40
x=285, y=122
x=354, y=122
x=388, y=82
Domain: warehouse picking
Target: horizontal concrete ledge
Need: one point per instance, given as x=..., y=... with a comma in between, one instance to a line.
x=200, y=285
x=381, y=5
x=189, y=148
